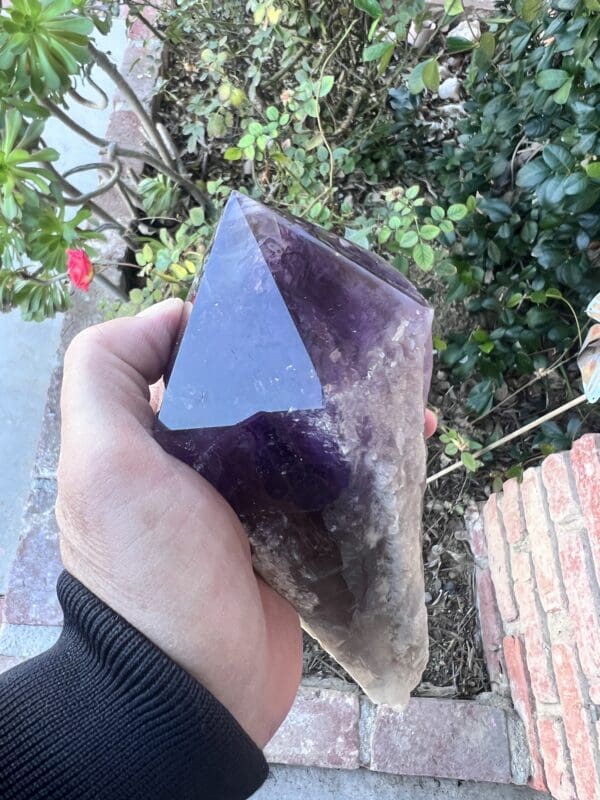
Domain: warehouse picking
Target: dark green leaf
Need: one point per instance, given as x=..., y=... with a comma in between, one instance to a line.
x=495, y=209
x=557, y=157
x=552, y=191
x=456, y=44
x=575, y=183
x=538, y=318
x=550, y=79
x=481, y=397
x=371, y=7
x=376, y=51
x=431, y=75
x=532, y=174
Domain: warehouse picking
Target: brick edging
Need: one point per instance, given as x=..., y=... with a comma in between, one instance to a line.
x=543, y=552
x=453, y=739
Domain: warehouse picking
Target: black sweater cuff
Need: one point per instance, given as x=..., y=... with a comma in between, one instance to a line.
x=105, y=714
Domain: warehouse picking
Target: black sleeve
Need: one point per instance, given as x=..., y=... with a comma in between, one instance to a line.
x=106, y=715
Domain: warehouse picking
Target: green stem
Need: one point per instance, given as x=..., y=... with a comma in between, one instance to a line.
x=326, y=61
x=153, y=135
x=112, y=149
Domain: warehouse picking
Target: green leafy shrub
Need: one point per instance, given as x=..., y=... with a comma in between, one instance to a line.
x=291, y=103
x=528, y=148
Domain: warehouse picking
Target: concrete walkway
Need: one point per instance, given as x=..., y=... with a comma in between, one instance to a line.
x=290, y=783
x=28, y=349
x=27, y=358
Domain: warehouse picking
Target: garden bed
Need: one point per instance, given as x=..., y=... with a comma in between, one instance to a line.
x=205, y=127
x=456, y=667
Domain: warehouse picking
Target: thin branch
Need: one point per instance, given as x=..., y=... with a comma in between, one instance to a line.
x=66, y=120
x=326, y=61
x=97, y=106
x=514, y=435
x=194, y=190
x=352, y=111
x=80, y=199
x=288, y=67
x=112, y=148
x=139, y=14
x=153, y=135
x=123, y=191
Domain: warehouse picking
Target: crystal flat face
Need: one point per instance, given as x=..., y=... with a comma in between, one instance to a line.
x=324, y=463
x=241, y=353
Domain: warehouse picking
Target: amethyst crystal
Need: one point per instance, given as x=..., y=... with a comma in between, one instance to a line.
x=298, y=391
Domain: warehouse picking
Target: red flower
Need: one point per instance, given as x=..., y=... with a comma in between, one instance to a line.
x=80, y=269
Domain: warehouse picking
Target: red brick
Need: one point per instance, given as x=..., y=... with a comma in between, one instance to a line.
x=556, y=761
x=125, y=127
x=491, y=627
x=539, y=527
x=585, y=460
x=321, y=730
x=137, y=29
x=518, y=675
x=512, y=515
x=577, y=569
x=140, y=66
x=583, y=606
x=562, y=501
x=498, y=561
x=457, y=739
x=579, y=727
x=537, y=648
x=31, y=596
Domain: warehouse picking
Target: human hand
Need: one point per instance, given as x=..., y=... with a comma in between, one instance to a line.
x=153, y=540
x=430, y=423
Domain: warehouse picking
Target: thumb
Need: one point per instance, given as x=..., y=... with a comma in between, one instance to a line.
x=109, y=367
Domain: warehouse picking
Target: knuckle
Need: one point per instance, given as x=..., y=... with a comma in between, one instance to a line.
x=83, y=347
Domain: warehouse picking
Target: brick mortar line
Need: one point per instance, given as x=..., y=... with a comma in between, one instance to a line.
x=533, y=733
x=584, y=683
x=562, y=587
x=586, y=540
x=590, y=566
x=524, y=546
x=508, y=562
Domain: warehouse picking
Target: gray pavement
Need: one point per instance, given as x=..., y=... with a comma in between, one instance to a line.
x=291, y=783
x=27, y=358
x=27, y=350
